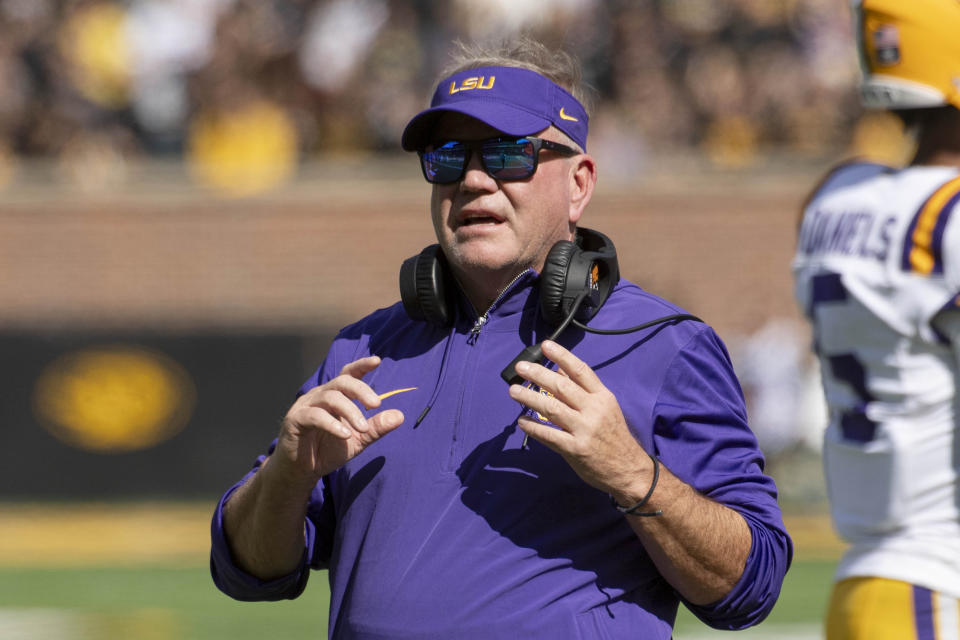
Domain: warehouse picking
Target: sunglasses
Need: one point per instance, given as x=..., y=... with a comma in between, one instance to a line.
x=502, y=158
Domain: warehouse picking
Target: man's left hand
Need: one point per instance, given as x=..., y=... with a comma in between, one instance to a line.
x=593, y=436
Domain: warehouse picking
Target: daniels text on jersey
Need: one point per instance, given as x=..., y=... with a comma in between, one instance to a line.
x=849, y=233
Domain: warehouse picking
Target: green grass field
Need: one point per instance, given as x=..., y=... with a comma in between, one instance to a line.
x=802, y=605
x=137, y=571
x=157, y=603
x=148, y=603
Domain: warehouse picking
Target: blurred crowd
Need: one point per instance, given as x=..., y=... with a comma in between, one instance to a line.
x=246, y=90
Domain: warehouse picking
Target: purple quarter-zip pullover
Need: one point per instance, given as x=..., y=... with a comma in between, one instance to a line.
x=454, y=527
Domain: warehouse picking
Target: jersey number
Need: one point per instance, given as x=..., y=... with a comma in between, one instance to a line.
x=845, y=367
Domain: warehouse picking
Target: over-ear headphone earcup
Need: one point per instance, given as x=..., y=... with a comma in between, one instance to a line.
x=424, y=287
x=553, y=281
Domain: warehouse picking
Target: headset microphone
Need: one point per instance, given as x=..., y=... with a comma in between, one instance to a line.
x=534, y=353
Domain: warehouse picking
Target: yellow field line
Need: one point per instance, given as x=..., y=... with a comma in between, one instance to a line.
x=813, y=537
x=151, y=533
x=104, y=534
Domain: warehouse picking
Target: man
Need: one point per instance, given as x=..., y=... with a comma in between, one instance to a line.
x=877, y=271
x=447, y=504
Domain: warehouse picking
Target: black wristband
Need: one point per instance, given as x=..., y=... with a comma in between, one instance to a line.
x=632, y=510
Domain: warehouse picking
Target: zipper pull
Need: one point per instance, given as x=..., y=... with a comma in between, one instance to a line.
x=477, y=326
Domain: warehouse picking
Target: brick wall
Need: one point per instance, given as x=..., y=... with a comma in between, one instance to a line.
x=165, y=255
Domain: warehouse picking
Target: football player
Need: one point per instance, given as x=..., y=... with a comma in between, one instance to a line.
x=877, y=272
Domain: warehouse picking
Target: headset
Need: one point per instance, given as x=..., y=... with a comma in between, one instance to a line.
x=576, y=280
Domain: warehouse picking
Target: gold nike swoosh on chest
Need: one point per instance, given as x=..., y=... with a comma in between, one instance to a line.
x=384, y=396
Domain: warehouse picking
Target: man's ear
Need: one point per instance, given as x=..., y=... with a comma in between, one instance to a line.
x=583, y=178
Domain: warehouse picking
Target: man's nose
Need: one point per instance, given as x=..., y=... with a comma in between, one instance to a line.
x=475, y=176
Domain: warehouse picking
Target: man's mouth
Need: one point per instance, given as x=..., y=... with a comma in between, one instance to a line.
x=479, y=219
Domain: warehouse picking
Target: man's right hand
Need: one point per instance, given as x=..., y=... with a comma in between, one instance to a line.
x=324, y=428
x=263, y=519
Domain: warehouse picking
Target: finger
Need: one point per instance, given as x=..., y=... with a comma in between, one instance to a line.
x=322, y=420
x=349, y=386
x=361, y=367
x=385, y=422
x=556, y=382
x=554, y=439
x=550, y=407
x=339, y=404
x=574, y=367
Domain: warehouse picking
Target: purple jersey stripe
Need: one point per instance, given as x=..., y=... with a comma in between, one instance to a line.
x=923, y=613
x=926, y=256
x=937, y=240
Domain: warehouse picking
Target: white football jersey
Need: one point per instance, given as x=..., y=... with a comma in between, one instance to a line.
x=878, y=257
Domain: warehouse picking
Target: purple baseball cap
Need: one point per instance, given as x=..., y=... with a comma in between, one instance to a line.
x=516, y=101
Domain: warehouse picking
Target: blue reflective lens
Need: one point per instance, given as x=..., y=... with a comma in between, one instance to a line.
x=502, y=158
